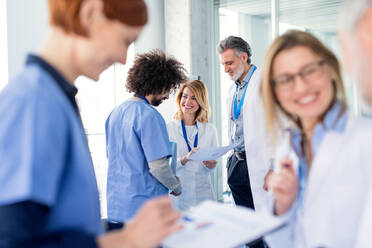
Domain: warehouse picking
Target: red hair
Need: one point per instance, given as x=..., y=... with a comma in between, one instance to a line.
x=65, y=13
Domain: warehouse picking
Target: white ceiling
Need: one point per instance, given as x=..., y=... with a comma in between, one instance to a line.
x=317, y=15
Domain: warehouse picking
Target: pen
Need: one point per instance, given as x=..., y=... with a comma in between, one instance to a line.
x=200, y=225
x=187, y=219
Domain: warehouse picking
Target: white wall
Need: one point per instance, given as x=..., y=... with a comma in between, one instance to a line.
x=256, y=31
x=27, y=25
x=153, y=35
x=177, y=30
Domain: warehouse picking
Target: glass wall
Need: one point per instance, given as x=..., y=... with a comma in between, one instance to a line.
x=252, y=20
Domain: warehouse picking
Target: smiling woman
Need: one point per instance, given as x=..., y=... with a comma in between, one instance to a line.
x=304, y=100
x=191, y=130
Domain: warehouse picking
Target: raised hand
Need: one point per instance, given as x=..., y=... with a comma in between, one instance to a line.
x=284, y=185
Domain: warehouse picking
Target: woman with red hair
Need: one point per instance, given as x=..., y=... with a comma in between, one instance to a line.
x=48, y=191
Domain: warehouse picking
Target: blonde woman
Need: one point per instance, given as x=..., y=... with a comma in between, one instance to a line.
x=320, y=179
x=191, y=130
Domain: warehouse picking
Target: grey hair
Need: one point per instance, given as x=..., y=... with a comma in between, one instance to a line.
x=237, y=44
x=350, y=13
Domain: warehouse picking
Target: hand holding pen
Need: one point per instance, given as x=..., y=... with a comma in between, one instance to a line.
x=284, y=186
x=191, y=223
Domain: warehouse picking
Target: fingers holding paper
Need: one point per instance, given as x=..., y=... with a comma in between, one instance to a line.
x=185, y=158
x=210, y=164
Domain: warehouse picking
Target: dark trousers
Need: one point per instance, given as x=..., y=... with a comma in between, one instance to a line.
x=240, y=186
x=238, y=180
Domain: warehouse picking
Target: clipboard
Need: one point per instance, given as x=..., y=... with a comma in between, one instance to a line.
x=218, y=225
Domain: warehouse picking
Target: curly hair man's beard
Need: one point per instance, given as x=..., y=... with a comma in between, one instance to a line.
x=156, y=102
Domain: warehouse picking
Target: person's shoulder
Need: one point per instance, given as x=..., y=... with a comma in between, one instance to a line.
x=360, y=127
x=172, y=127
x=208, y=127
x=133, y=105
x=146, y=113
x=356, y=130
x=256, y=77
x=258, y=71
x=150, y=112
x=33, y=98
x=27, y=82
x=33, y=87
x=173, y=124
x=231, y=88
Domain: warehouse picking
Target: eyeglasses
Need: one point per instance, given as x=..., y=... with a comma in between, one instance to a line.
x=307, y=73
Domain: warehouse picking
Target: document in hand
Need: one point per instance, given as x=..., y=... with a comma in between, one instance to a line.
x=211, y=153
x=217, y=225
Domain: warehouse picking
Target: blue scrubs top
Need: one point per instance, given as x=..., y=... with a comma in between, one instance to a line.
x=135, y=135
x=44, y=155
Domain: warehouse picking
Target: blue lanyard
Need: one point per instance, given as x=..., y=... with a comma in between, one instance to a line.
x=142, y=97
x=185, y=135
x=237, y=108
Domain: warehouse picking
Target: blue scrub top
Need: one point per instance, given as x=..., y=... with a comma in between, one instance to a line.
x=135, y=135
x=44, y=155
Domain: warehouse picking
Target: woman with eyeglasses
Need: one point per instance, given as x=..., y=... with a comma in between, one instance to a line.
x=319, y=180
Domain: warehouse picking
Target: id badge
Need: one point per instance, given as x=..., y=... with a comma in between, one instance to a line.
x=234, y=130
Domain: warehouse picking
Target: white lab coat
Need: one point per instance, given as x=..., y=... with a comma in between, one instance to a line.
x=335, y=193
x=255, y=141
x=364, y=238
x=195, y=177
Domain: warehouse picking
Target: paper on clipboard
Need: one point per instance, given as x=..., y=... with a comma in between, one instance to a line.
x=211, y=153
x=218, y=225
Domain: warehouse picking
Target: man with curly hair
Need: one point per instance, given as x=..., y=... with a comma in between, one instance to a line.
x=137, y=141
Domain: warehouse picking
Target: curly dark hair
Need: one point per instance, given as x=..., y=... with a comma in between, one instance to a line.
x=154, y=73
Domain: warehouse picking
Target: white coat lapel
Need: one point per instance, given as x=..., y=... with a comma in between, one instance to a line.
x=229, y=100
x=250, y=115
x=325, y=161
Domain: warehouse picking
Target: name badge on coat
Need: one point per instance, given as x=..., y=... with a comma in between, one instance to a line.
x=234, y=127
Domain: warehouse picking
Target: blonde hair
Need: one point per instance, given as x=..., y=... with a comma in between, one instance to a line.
x=201, y=95
x=287, y=41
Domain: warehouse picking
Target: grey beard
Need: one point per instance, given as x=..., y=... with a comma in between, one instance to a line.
x=239, y=72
